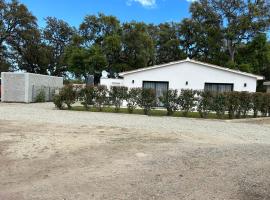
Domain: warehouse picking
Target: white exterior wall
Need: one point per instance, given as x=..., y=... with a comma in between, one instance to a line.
x=38, y=81
x=12, y=87
x=196, y=75
x=19, y=87
x=108, y=82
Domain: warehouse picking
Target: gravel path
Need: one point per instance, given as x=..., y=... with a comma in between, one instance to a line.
x=46, y=113
x=51, y=154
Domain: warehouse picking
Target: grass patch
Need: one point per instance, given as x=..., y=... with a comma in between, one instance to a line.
x=155, y=112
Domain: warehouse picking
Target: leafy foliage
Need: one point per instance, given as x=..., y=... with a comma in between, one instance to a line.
x=187, y=101
x=147, y=100
x=205, y=103
x=132, y=99
x=68, y=95
x=219, y=105
x=87, y=96
x=101, y=96
x=40, y=96
x=170, y=101
x=257, y=102
x=117, y=95
x=58, y=101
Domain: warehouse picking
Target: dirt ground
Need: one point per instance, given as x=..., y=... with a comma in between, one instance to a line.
x=66, y=161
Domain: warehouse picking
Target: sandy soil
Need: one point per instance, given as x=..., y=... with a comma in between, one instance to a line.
x=47, y=154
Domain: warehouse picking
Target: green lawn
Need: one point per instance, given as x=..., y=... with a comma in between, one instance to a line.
x=154, y=112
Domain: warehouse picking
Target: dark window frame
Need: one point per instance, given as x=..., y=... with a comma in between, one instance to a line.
x=155, y=83
x=167, y=82
x=218, y=84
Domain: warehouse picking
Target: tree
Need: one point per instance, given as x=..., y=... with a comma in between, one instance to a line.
x=94, y=29
x=241, y=20
x=168, y=43
x=83, y=62
x=138, y=47
x=201, y=36
x=255, y=56
x=57, y=36
x=15, y=20
x=30, y=54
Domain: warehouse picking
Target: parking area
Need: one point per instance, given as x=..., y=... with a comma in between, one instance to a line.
x=51, y=154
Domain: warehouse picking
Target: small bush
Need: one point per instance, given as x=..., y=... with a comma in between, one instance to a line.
x=257, y=103
x=68, y=95
x=117, y=95
x=205, y=103
x=219, y=104
x=233, y=103
x=187, y=101
x=87, y=96
x=170, y=101
x=101, y=99
x=245, y=104
x=147, y=100
x=41, y=97
x=132, y=99
x=58, y=101
x=265, y=108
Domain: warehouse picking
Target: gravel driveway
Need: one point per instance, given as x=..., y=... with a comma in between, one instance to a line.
x=51, y=154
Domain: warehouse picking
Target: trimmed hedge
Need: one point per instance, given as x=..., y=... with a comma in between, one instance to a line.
x=235, y=104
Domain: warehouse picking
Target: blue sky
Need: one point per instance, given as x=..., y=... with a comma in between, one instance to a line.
x=73, y=11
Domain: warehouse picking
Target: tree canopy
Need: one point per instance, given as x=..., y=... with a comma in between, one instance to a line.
x=229, y=33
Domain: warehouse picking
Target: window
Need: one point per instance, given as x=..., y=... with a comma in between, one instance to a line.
x=218, y=87
x=159, y=87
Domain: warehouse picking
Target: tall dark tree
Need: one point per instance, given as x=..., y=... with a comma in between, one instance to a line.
x=57, y=35
x=30, y=53
x=138, y=47
x=94, y=28
x=168, y=43
x=15, y=20
x=255, y=56
x=241, y=20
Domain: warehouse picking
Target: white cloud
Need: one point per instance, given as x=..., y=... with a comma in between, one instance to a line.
x=144, y=3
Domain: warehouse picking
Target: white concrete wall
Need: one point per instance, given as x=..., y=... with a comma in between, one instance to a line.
x=21, y=87
x=12, y=87
x=111, y=82
x=47, y=83
x=196, y=75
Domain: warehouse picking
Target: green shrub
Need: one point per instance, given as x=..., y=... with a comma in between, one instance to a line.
x=169, y=99
x=245, y=104
x=58, y=101
x=147, y=100
x=101, y=99
x=132, y=99
x=205, y=103
x=87, y=96
x=68, y=94
x=187, y=100
x=41, y=96
x=117, y=95
x=265, y=107
x=257, y=103
x=233, y=103
x=219, y=104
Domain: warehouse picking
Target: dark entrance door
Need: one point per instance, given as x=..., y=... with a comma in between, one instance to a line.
x=159, y=86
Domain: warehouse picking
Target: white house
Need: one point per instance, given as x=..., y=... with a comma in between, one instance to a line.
x=24, y=87
x=186, y=74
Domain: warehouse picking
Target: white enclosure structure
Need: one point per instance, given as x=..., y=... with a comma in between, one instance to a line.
x=24, y=87
x=189, y=74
